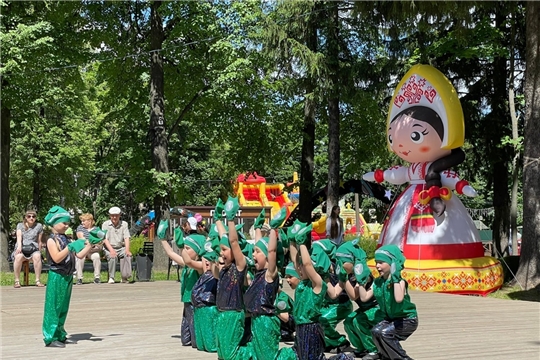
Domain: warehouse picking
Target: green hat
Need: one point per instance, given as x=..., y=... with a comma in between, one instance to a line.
x=304, y=234
x=390, y=254
x=349, y=252
x=196, y=242
x=321, y=261
x=96, y=234
x=262, y=244
x=212, y=232
x=57, y=214
x=291, y=271
x=327, y=246
x=224, y=240
x=209, y=252
x=214, y=245
x=248, y=249
x=294, y=228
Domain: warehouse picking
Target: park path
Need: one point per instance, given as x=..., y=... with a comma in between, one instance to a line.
x=142, y=321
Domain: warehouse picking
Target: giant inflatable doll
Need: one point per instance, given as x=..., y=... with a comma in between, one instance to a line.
x=428, y=221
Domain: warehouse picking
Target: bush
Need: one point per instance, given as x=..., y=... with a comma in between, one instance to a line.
x=136, y=243
x=368, y=244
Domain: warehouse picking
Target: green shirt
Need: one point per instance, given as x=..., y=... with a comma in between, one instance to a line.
x=383, y=290
x=307, y=304
x=189, y=278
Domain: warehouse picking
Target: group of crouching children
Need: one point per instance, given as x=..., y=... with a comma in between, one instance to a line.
x=234, y=304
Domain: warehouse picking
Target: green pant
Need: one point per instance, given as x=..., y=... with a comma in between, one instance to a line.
x=331, y=315
x=57, y=297
x=229, y=331
x=358, y=326
x=265, y=336
x=205, y=330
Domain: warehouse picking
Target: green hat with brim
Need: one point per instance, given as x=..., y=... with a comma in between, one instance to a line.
x=321, y=261
x=196, y=242
x=327, y=246
x=209, y=252
x=97, y=235
x=56, y=215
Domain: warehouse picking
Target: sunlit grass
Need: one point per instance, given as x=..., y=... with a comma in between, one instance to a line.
x=515, y=293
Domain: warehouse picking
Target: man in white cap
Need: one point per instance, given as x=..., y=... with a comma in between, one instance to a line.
x=190, y=226
x=117, y=245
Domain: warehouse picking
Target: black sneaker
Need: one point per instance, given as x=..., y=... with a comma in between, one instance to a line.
x=79, y=282
x=97, y=281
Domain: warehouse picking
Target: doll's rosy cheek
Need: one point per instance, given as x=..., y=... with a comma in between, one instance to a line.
x=425, y=149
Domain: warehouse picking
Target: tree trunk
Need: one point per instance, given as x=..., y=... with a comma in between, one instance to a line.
x=308, y=136
x=528, y=274
x=5, y=140
x=333, y=112
x=157, y=126
x=515, y=138
x=501, y=198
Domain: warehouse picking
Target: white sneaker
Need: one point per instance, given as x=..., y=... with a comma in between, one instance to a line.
x=111, y=281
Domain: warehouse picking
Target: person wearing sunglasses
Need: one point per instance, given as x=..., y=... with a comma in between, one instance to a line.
x=28, y=246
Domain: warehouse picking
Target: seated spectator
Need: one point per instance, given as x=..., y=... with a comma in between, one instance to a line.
x=83, y=232
x=117, y=245
x=28, y=246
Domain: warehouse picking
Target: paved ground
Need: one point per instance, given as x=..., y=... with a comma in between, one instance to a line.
x=142, y=321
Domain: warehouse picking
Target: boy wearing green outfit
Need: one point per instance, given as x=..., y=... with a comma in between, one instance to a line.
x=400, y=316
x=61, y=253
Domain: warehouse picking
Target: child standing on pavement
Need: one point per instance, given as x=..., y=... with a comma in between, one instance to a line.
x=203, y=298
x=309, y=297
x=390, y=290
x=189, y=247
x=261, y=294
x=61, y=253
x=230, y=296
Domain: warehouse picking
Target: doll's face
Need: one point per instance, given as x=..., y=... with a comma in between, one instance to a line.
x=415, y=141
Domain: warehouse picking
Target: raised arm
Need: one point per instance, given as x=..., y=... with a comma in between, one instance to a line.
x=171, y=254
x=239, y=258
x=271, y=273
x=309, y=270
x=194, y=264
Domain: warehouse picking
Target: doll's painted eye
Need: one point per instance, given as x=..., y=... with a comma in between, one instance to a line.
x=417, y=137
x=390, y=139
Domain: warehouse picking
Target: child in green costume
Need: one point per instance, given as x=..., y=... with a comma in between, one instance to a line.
x=203, y=298
x=189, y=247
x=285, y=304
x=61, y=253
x=229, y=296
x=260, y=297
x=390, y=290
x=309, y=297
x=351, y=260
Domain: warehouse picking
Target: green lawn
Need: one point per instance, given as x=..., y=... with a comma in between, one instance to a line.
x=515, y=293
